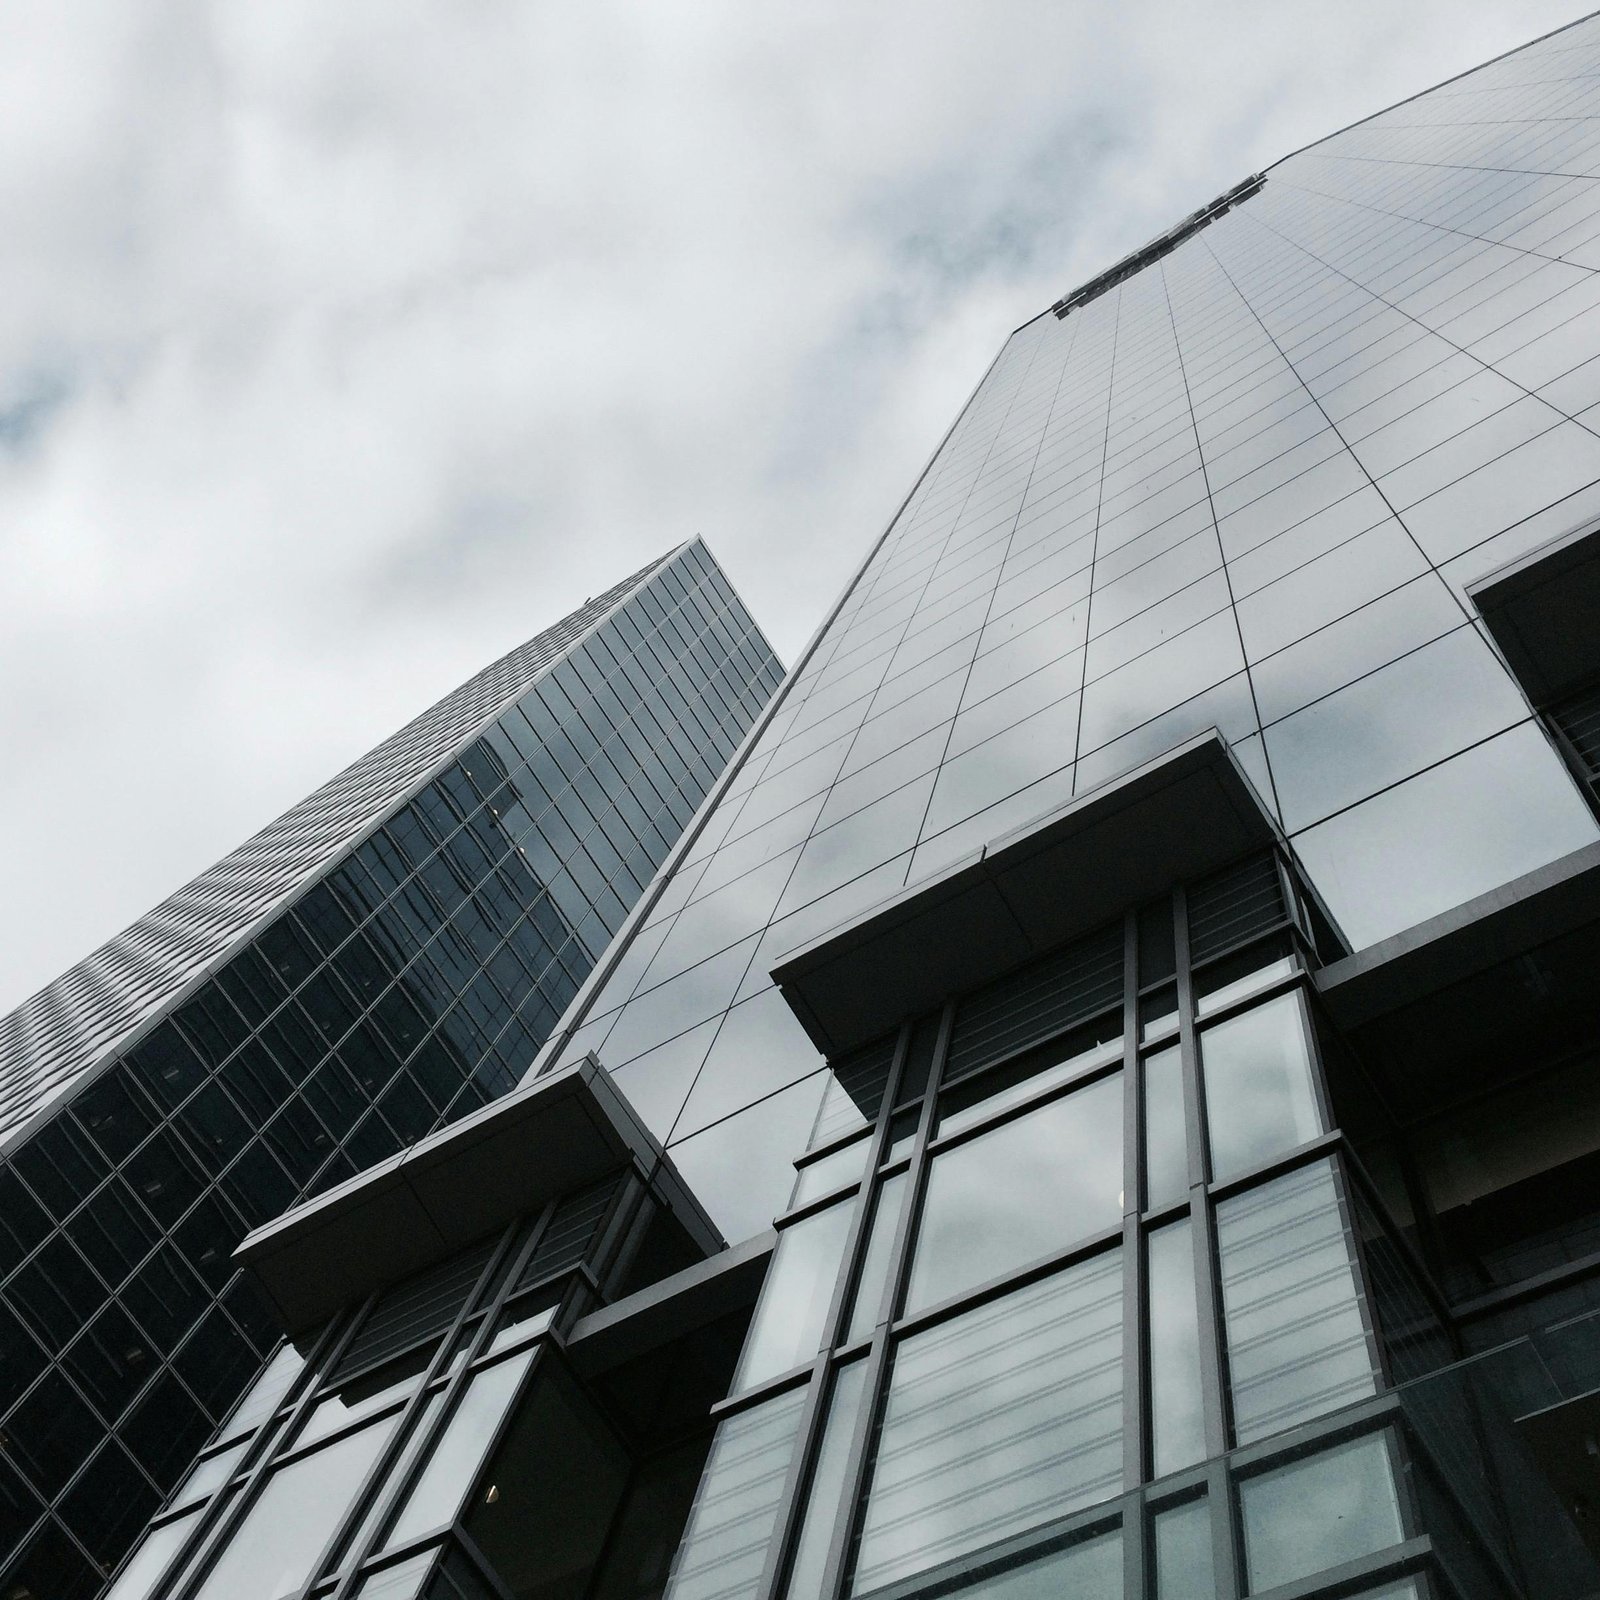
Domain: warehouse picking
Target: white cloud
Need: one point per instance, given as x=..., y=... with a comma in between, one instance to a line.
x=343, y=347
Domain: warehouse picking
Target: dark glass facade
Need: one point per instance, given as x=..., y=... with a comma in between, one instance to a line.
x=385, y=959
x=1130, y=1005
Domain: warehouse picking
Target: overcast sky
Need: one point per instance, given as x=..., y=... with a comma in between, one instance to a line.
x=343, y=347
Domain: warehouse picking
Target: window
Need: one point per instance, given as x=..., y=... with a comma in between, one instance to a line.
x=1296, y=1334
x=271, y=1553
x=1259, y=1095
x=1020, y=1191
x=1319, y=1512
x=787, y=1327
x=996, y=1421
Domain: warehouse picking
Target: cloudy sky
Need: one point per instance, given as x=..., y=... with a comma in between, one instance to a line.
x=343, y=347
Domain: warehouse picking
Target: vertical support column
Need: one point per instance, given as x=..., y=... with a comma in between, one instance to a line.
x=819, y=1394
x=857, y=1467
x=1135, y=1297
x=1208, y=1295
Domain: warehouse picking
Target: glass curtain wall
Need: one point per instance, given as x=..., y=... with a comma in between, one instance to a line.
x=1246, y=487
x=1071, y=1299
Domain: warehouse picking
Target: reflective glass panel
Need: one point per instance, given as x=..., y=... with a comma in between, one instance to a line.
x=1317, y=1513
x=209, y=1473
x=1177, y=1423
x=787, y=1327
x=1166, y=1144
x=1088, y=1570
x=271, y=1553
x=1183, y=1552
x=363, y=1397
x=1009, y=1196
x=454, y=1458
x=996, y=1421
x=831, y=1172
x=988, y=1093
x=875, y=1266
x=160, y=1544
x=1259, y=1096
x=1297, y=1338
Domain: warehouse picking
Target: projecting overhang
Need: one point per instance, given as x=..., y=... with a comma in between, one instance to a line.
x=1541, y=609
x=1459, y=969
x=542, y=1141
x=1180, y=816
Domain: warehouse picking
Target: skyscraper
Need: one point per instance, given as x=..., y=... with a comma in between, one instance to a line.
x=382, y=960
x=1128, y=1009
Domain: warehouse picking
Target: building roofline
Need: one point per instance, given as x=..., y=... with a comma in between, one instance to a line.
x=1271, y=166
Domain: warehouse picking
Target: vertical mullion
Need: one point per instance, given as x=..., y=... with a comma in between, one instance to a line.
x=877, y=1358
x=240, y=1503
x=819, y=1391
x=376, y=1485
x=1225, y=1546
x=1208, y=1295
x=1138, y=1579
x=222, y=1508
x=1135, y=1293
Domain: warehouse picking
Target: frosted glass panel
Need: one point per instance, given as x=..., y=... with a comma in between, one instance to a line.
x=996, y=1421
x=736, y=1505
x=1297, y=1342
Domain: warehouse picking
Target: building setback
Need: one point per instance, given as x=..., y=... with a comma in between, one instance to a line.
x=383, y=960
x=1104, y=1100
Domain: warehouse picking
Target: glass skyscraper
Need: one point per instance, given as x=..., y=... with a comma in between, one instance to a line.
x=381, y=961
x=1104, y=1100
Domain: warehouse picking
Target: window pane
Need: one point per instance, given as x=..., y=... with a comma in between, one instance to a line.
x=831, y=1172
x=978, y=1098
x=455, y=1457
x=1183, y=1553
x=206, y=1475
x=1319, y=1512
x=1166, y=1146
x=1177, y=1423
x=996, y=1421
x=875, y=1268
x=787, y=1327
x=400, y=1582
x=1012, y=1195
x=140, y=1575
x=1259, y=1099
x=827, y=1483
x=725, y=1544
x=1297, y=1341
x=421, y=1430
x=1088, y=1570
x=267, y=1390
x=273, y=1550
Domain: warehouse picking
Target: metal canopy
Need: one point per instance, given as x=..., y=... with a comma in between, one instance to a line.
x=1179, y=816
x=1541, y=609
x=543, y=1140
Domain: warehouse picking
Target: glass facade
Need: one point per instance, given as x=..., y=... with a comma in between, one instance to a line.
x=385, y=959
x=1220, y=1222
x=1246, y=487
